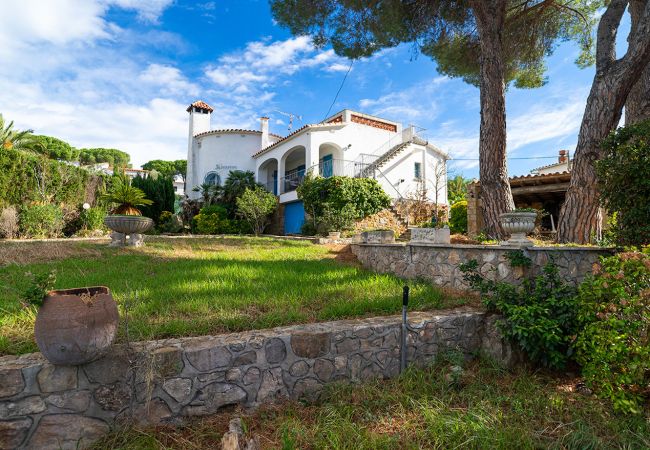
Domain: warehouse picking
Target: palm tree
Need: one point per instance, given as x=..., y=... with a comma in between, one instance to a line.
x=17, y=140
x=126, y=196
x=209, y=192
x=236, y=184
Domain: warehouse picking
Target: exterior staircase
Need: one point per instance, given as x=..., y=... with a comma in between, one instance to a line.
x=406, y=236
x=369, y=170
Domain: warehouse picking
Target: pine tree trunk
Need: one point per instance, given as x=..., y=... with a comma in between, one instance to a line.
x=637, y=106
x=612, y=83
x=496, y=196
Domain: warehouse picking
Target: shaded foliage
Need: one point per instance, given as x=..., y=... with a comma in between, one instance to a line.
x=624, y=182
x=112, y=156
x=160, y=190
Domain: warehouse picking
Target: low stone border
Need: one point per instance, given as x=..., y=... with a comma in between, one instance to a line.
x=50, y=407
x=439, y=263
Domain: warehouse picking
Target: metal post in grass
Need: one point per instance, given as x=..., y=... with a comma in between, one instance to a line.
x=404, y=349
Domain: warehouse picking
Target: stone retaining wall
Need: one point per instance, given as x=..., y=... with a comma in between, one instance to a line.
x=439, y=263
x=50, y=407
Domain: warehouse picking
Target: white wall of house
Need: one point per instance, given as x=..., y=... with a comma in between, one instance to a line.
x=348, y=136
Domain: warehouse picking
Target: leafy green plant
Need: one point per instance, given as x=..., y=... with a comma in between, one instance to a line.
x=255, y=206
x=93, y=218
x=364, y=195
x=39, y=285
x=41, y=221
x=613, y=345
x=160, y=190
x=458, y=217
x=126, y=196
x=624, y=182
x=336, y=220
x=540, y=315
x=522, y=210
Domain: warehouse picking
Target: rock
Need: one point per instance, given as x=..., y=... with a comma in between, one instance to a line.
x=110, y=369
x=213, y=397
x=340, y=362
x=57, y=378
x=66, y=432
x=22, y=407
x=308, y=389
x=249, y=357
x=179, y=389
x=233, y=375
x=76, y=401
x=206, y=359
x=272, y=386
x=310, y=345
x=323, y=369
x=252, y=375
x=581, y=388
x=363, y=333
x=348, y=345
x=13, y=432
x=154, y=412
x=275, y=350
x=113, y=397
x=168, y=361
x=12, y=381
x=299, y=369
x=237, y=346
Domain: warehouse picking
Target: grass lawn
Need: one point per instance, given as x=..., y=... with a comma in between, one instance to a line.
x=186, y=287
x=487, y=409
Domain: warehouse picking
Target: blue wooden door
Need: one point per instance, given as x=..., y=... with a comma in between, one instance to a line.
x=328, y=166
x=294, y=217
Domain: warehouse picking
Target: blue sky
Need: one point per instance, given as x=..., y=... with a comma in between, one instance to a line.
x=120, y=73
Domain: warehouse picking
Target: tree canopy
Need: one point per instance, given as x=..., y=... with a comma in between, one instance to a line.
x=445, y=30
x=116, y=158
x=55, y=148
x=167, y=168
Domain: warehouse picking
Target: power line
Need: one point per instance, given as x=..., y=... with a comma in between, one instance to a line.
x=339, y=91
x=521, y=157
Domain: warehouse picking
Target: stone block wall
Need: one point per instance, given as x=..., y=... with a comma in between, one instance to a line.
x=439, y=263
x=54, y=407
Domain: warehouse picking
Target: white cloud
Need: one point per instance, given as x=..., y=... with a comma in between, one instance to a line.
x=250, y=75
x=148, y=10
x=416, y=103
x=169, y=79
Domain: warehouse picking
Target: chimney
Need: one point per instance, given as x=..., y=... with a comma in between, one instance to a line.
x=563, y=158
x=264, y=128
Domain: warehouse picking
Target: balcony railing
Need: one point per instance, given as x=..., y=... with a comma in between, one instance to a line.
x=292, y=181
x=325, y=168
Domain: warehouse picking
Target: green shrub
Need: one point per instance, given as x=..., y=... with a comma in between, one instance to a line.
x=359, y=197
x=458, y=217
x=624, y=182
x=540, y=315
x=213, y=219
x=336, y=220
x=255, y=206
x=614, y=344
x=169, y=222
x=41, y=221
x=93, y=218
x=158, y=189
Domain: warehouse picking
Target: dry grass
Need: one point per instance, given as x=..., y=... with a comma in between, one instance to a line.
x=487, y=408
x=22, y=253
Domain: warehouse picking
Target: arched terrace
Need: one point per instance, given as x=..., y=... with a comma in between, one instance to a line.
x=267, y=174
x=330, y=160
x=292, y=168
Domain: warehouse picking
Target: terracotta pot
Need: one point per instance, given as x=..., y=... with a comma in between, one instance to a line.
x=128, y=224
x=76, y=326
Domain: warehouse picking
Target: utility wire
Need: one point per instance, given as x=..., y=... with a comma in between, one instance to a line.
x=521, y=157
x=339, y=91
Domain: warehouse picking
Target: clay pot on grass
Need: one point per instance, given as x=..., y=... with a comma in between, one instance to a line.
x=76, y=326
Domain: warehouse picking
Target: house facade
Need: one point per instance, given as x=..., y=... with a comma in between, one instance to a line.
x=347, y=143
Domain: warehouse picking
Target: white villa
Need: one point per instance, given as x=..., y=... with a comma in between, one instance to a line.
x=346, y=143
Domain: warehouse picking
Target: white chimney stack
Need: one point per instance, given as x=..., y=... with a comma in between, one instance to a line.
x=264, y=128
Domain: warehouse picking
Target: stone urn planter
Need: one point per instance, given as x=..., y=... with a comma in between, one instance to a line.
x=431, y=235
x=127, y=226
x=518, y=224
x=378, y=237
x=76, y=326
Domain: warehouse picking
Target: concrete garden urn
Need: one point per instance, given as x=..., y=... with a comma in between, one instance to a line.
x=518, y=224
x=76, y=326
x=131, y=226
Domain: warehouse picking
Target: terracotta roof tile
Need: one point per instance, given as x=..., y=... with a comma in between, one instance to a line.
x=200, y=104
x=235, y=130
